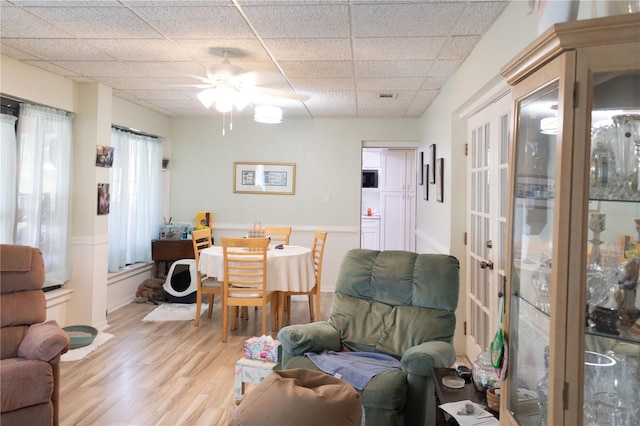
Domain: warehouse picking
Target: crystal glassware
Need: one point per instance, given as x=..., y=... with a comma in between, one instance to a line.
x=603, y=162
x=627, y=154
x=599, y=376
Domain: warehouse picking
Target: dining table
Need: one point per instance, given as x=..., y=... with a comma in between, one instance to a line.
x=289, y=268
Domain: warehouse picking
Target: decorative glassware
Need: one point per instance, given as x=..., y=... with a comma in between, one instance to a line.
x=627, y=154
x=484, y=375
x=542, y=388
x=599, y=374
x=541, y=280
x=603, y=162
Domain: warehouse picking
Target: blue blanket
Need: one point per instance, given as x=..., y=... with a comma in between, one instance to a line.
x=355, y=368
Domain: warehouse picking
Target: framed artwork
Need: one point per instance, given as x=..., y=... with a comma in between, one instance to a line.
x=103, y=198
x=421, y=175
x=104, y=156
x=432, y=163
x=425, y=188
x=439, y=180
x=264, y=178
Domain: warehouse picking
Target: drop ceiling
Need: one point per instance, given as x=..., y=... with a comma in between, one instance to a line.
x=354, y=58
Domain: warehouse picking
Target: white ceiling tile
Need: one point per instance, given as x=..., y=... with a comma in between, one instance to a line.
x=209, y=22
x=398, y=48
x=308, y=49
x=240, y=50
x=139, y=49
x=58, y=49
x=445, y=67
x=18, y=23
x=479, y=16
x=135, y=83
x=299, y=20
x=327, y=83
x=154, y=52
x=149, y=95
x=15, y=53
x=414, y=19
x=392, y=68
x=56, y=69
x=96, y=22
x=390, y=83
x=99, y=69
x=458, y=47
x=343, y=69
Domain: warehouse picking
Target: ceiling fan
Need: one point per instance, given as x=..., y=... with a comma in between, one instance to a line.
x=227, y=86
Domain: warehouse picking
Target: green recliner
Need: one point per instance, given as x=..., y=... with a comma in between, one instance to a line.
x=393, y=302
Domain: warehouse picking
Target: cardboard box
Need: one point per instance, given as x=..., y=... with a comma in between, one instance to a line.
x=262, y=349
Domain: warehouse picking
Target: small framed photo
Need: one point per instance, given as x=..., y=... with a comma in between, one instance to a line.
x=104, y=156
x=439, y=180
x=432, y=163
x=425, y=187
x=421, y=175
x=103, y=198
x=264, y=178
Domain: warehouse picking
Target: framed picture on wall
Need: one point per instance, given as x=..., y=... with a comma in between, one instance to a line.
x=425, y=188
x=421, y=175
x=103, y=198
x=264, y=178
x=439, y=180
x=432, y=163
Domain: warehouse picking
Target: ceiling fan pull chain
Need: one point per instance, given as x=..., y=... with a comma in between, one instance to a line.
x=223, y=120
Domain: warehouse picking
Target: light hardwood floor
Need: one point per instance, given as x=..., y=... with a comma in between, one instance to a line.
x=160, y=373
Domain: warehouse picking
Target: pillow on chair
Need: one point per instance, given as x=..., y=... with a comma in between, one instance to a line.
x=297, y=397
x=43, y=341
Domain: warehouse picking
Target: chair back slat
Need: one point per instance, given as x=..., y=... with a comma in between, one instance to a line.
x=278, y=234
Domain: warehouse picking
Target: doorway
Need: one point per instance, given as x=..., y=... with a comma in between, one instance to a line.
x=388, y=208
x=488, y=136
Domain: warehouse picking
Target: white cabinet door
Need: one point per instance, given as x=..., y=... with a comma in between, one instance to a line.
x=410, y=171
x=370, y=234
x=393, y=170
x=370, y=158
x=392, y=227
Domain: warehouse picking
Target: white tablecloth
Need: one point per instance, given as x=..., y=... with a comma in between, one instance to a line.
x=289, y=269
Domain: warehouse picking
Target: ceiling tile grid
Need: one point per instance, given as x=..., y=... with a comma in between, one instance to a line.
x=353, y=58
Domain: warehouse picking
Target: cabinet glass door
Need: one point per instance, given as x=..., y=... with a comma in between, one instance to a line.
x=612, y=341
x=532, y=252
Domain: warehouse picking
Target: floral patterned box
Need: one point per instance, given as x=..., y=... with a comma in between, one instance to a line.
x=263, y=348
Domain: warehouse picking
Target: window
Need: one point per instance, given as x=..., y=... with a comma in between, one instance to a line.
x=136, y=197
x=36, y=184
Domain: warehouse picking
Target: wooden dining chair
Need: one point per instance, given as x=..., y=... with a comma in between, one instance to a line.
x=319, y=241
x=245, y=280
x=201, y=240
x=278, y=234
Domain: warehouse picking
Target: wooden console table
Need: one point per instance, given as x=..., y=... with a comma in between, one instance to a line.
x=165, y=252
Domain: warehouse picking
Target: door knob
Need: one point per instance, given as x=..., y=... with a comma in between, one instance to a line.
x=484, y=264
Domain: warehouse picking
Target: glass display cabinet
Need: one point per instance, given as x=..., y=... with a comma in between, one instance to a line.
x=572, y=331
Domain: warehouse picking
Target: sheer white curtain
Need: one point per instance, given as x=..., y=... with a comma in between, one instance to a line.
x=8, y=170
x=136, y=197
x=44, y=187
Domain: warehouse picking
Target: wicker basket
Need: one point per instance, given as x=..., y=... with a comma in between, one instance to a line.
x=493, y=399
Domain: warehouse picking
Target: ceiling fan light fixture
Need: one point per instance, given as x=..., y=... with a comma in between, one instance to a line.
x=224, y=104
x=207, y=97
x=268, y=114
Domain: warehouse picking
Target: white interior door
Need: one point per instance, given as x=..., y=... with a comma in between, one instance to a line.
x=488, y=139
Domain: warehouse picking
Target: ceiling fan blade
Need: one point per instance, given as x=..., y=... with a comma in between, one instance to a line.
x=276, y=93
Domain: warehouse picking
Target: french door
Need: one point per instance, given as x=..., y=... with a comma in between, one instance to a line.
x=488, y=136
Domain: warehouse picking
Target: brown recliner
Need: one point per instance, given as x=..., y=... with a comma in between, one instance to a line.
x=30, y=348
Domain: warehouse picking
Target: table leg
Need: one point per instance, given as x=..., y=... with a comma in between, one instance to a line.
x=280, y=310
